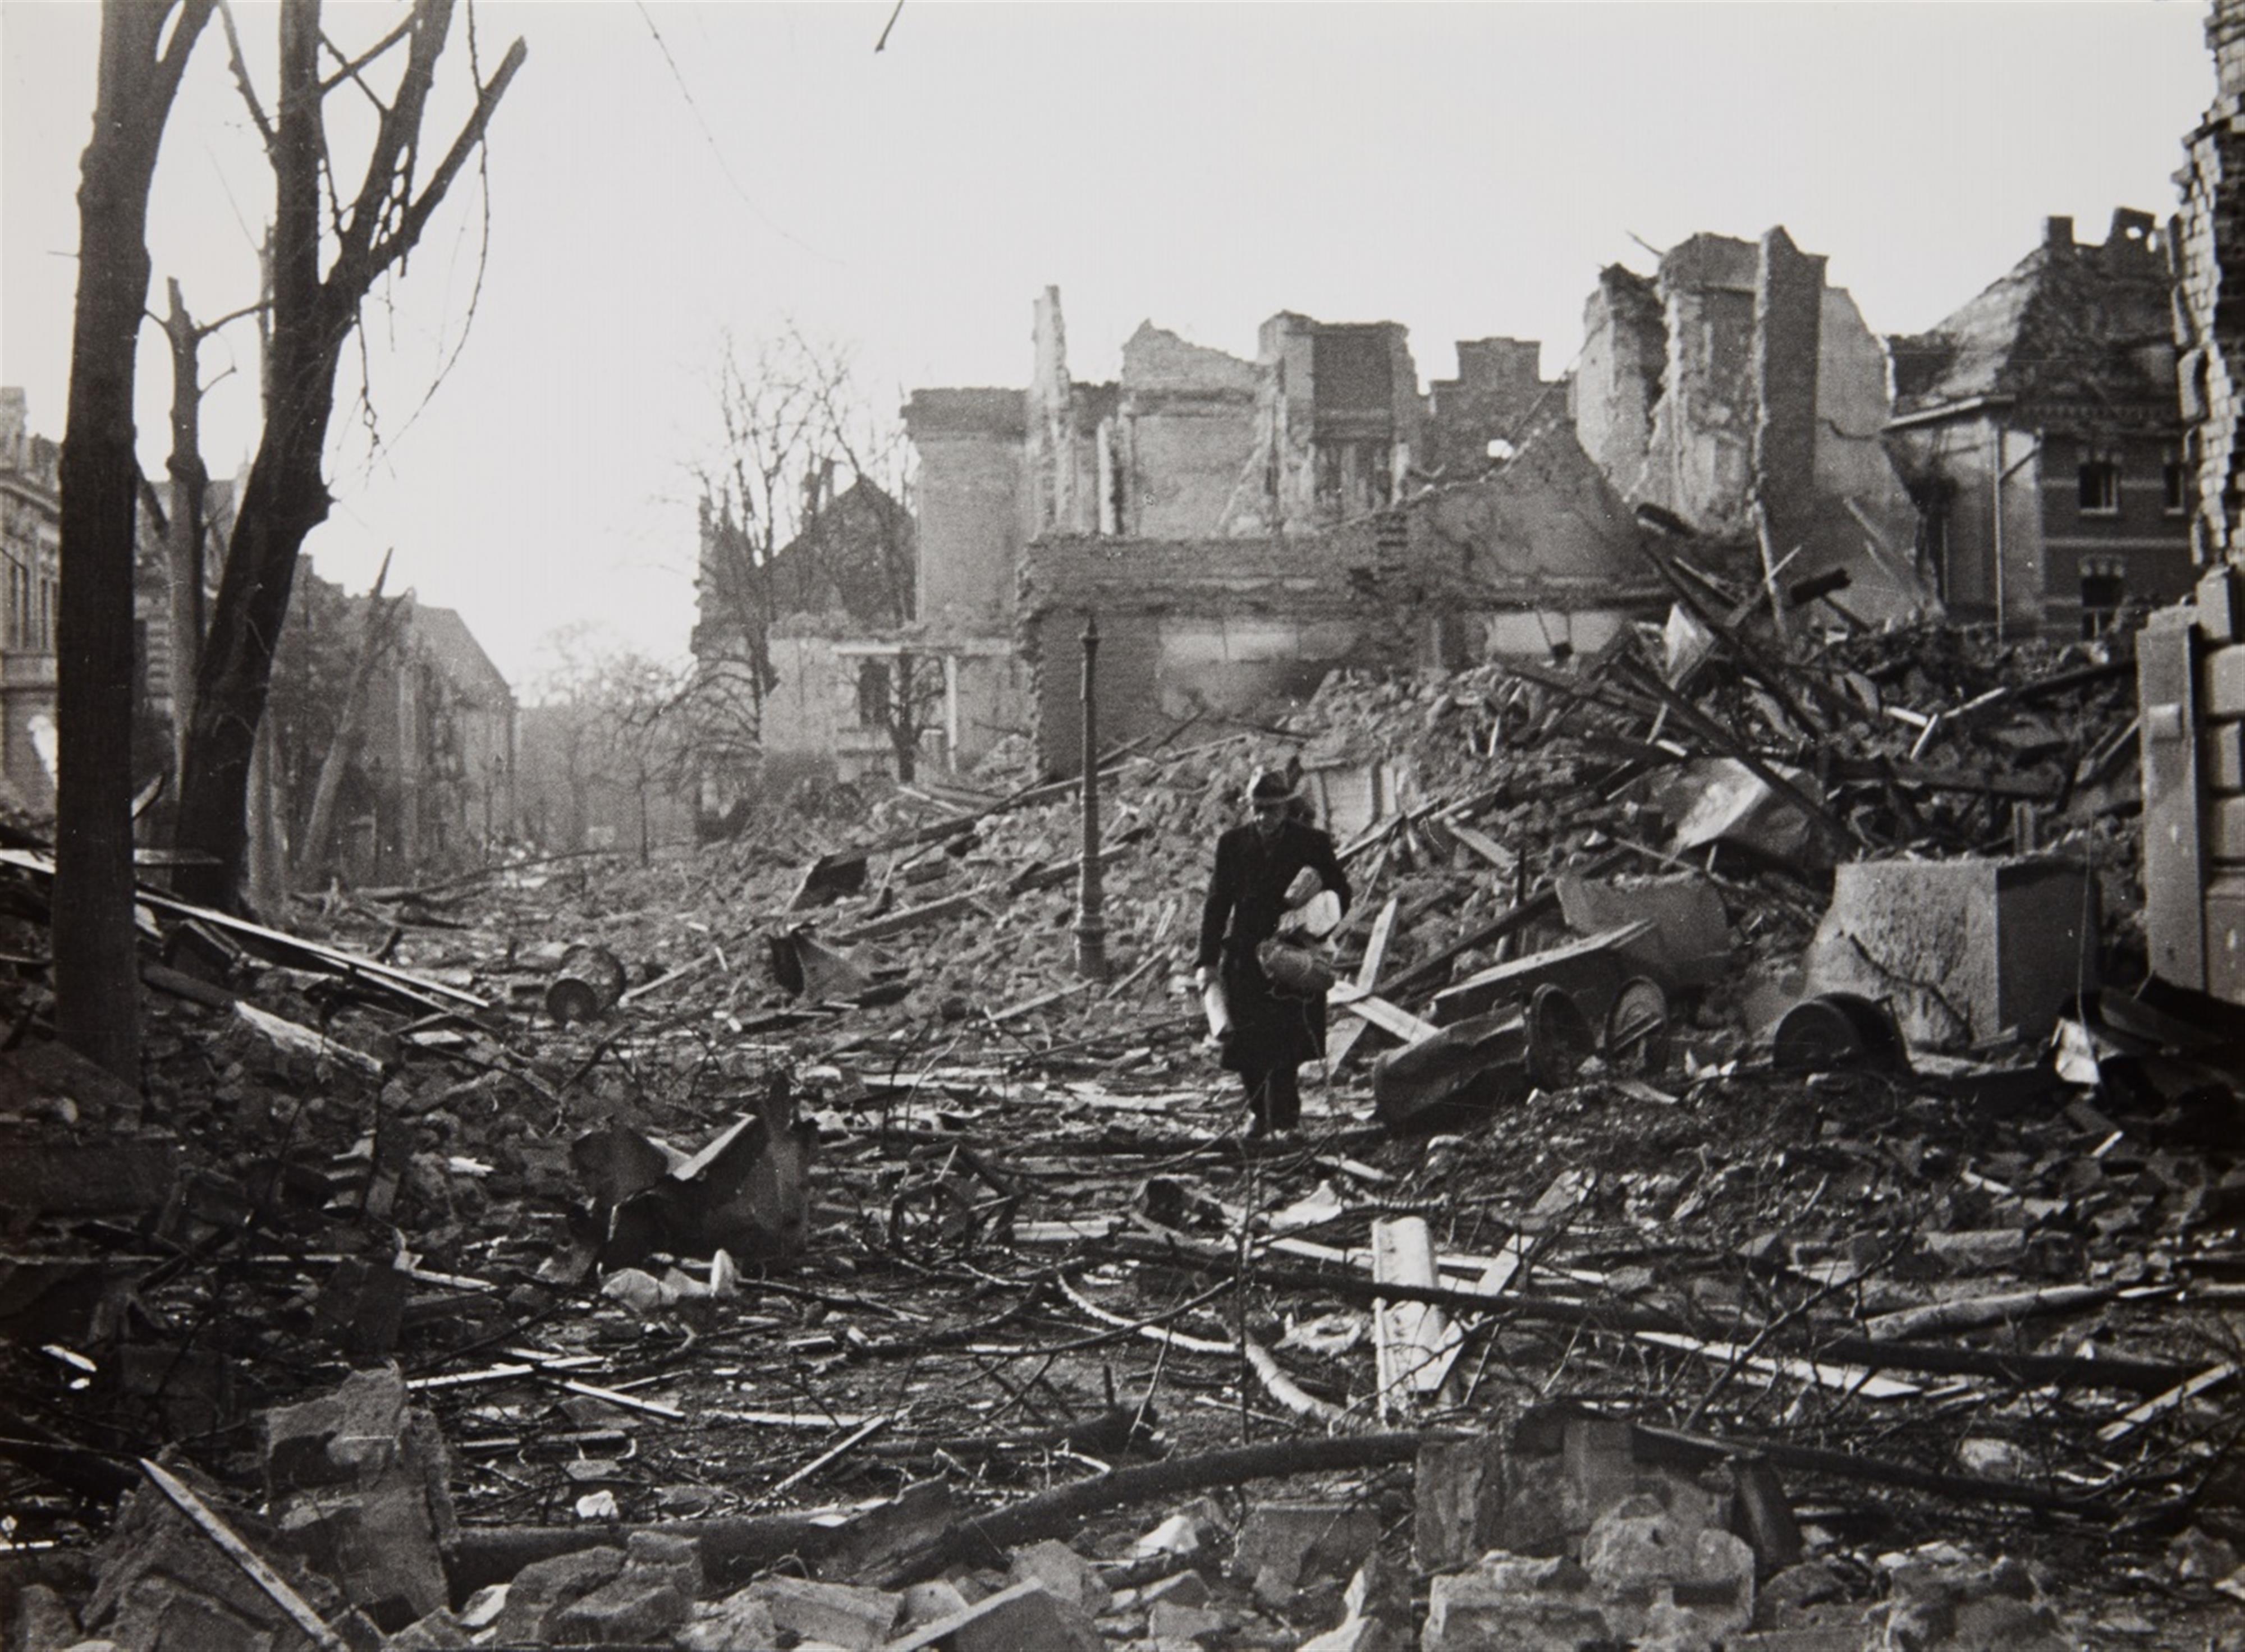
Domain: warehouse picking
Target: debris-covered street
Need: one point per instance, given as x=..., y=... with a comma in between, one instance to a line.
x=780, y=1243
x=874, y=965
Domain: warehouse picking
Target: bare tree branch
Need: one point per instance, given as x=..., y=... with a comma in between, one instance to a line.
x=242, y=76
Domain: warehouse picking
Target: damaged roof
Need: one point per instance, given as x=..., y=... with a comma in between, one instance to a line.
x=2067, y=323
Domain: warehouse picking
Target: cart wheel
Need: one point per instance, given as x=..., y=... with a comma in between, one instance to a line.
x=1838, y=1031
x=1559, y=1038
x=1637, y=1029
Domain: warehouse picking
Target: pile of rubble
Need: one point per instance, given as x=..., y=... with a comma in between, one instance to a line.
x=784, y=1246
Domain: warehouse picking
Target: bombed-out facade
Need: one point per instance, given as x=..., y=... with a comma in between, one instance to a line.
x=2041, y=433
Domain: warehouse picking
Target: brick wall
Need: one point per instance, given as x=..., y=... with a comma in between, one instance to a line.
x=1788, y=327
x=970, y=523
x=2211, y=311
x=1617, y=379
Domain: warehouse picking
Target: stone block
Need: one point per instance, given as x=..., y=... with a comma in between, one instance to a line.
x=1849, y=1636
x=1661, y=1582
x=738, y=1624
x=1690, y=944
x=58, y=1169
x=1961, y=950
x=925, y=1602
x=1795, y=1589
x=1601, y=1460
x=378, y=1546
x=1353, y=1635
x=1763, y=1515
x=1939, y=1597
x=346, y=1437
x=1174, y=1623
x=1067, y=1574
x=630, y=1610
x=42, y=1623
x=543, y=1588
x=1535, y=1519
x=438, y=1632
x=2221, y=756
x=1027, y=1618
x=1457, y=1506
x=656, y=1556
x=1509, y=1604
x=160, y=1584
x=842, y=1613
x=1283, y=1545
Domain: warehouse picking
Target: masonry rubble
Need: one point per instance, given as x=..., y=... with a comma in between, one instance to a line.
x=1782, y=1276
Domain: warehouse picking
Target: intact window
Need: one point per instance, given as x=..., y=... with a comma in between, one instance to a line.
x=2176, y=490
x=2100, y=487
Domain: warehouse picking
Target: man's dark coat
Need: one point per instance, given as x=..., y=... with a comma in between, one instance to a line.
x=1246, y=898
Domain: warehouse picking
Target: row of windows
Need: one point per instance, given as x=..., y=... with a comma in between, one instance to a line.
x=2101, y=486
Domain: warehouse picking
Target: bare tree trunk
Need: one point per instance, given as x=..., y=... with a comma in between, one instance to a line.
x=190, y=485
x=97, y=986
x=312, y=317
x=267, y=854
x=188, y=529
x=382, y=618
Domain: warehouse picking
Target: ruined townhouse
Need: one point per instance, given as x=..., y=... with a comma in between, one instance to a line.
x=1738, y=391
x=435, y=763
x=1241, y=527
x=2039, y=430
x=818, y=658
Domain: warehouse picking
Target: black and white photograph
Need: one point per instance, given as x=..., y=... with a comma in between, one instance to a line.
x=1123, y=825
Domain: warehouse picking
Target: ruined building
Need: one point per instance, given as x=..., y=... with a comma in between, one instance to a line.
x=1241, y=527
x=2038, y=429
x=1738, y=391
x=2191, y=657
x=30, y=542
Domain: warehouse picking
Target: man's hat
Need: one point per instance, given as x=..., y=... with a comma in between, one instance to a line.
x=1269, y=786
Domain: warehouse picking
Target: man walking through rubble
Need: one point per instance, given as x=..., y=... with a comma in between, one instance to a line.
x=1258, y=882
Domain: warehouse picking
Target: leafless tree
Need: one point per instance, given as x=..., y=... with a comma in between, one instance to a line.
x=144, y=47
x=617, y=723
x=329, y=251
x=805, y=507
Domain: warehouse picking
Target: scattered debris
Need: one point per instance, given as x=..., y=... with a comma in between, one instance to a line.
x=1681, y=1249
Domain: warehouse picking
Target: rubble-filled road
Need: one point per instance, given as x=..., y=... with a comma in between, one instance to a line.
x=778, y=1244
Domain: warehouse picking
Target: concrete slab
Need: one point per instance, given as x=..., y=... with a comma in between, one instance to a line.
x=1961, y=951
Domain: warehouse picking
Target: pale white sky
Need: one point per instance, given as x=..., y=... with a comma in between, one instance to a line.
x=660, y=174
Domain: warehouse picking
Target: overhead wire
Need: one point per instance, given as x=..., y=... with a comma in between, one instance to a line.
x=717, y=150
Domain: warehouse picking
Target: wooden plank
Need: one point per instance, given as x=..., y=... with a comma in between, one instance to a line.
x=1341, y=1038
x=678, y=974
x=1483, y=845
x=1477, y=992
x=1410, y=1337
x=1857, y=1380
x=910, y=917
x=251, y=1565
x=999, y=1017
x=2159, y=1405
x=1382, y=1014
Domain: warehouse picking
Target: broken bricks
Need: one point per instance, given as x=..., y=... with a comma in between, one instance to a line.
x=357, y=1482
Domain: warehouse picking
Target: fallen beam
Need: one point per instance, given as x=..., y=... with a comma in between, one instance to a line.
x=2028, y=1369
